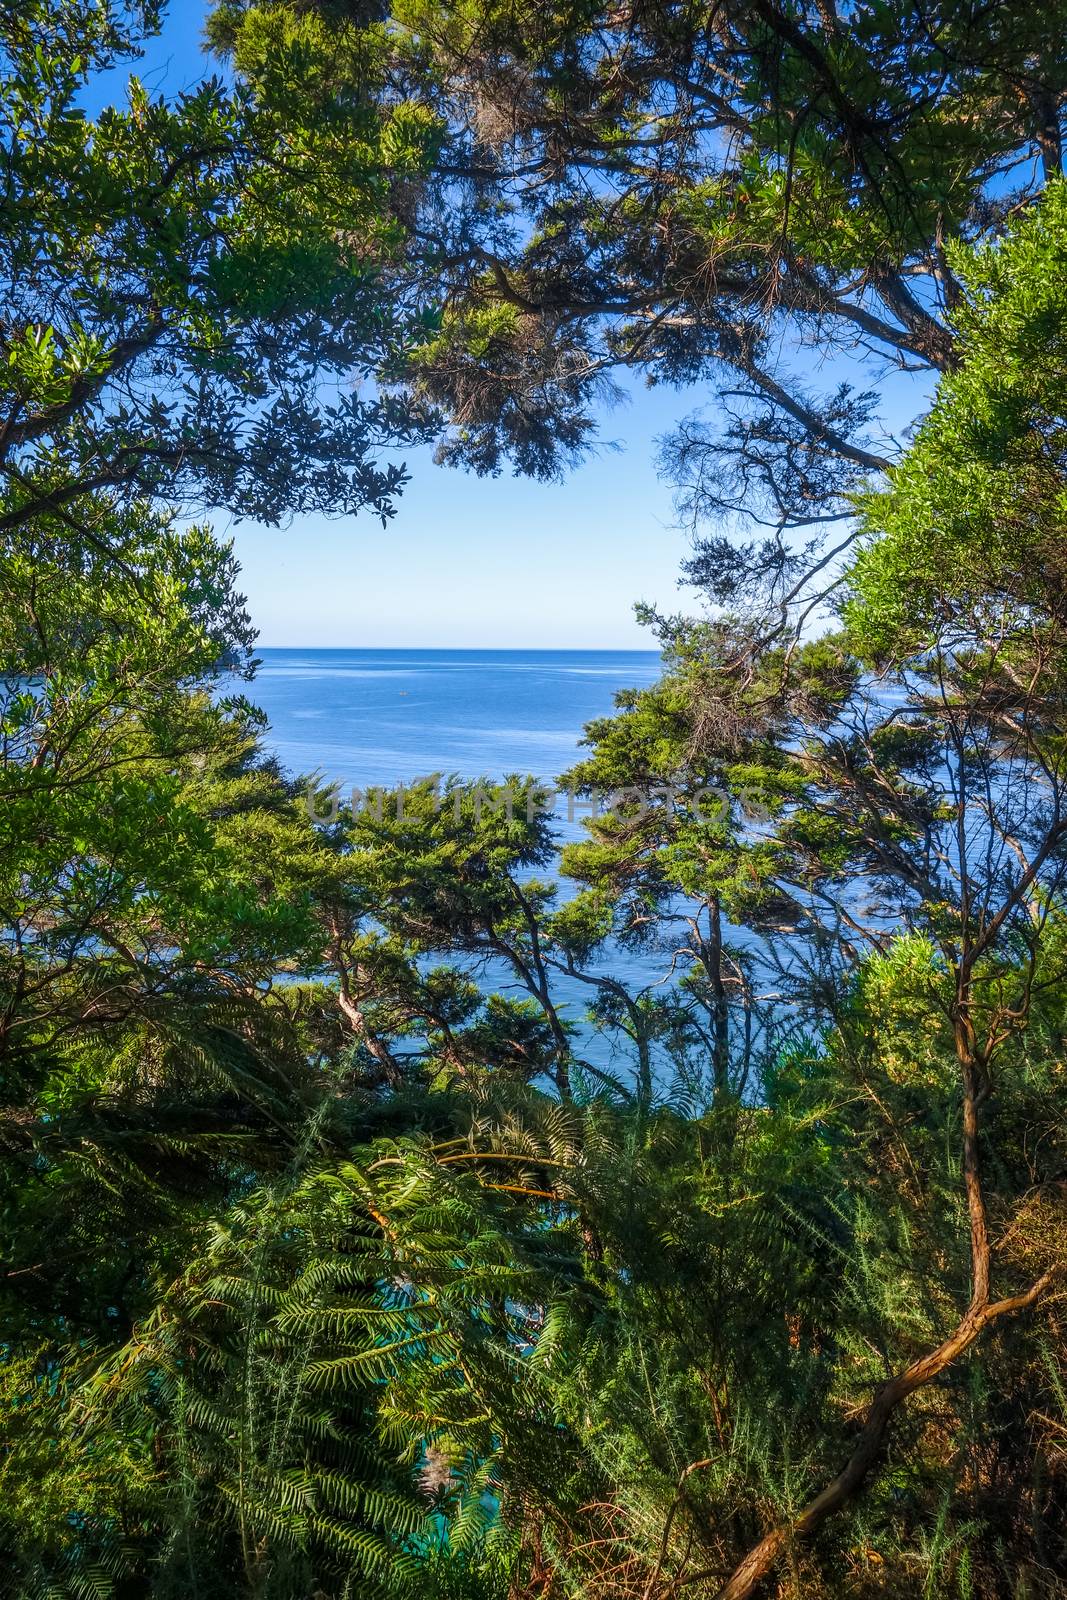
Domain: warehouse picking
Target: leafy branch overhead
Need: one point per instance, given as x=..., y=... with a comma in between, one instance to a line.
x=193, y=289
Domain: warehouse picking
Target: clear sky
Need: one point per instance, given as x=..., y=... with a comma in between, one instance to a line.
x=466, y=562
x=480, y=561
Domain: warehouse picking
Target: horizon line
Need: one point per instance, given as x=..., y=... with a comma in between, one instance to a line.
x=478, y=649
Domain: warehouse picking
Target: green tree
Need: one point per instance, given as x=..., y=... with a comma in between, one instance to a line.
x=705, y=195
x=923, y=795
x=310, y=1245
x=184, y=284
x=193, y=288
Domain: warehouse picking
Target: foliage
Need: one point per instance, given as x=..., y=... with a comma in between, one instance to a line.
x=704, y=195
x=361, y=1230
x=970, y=520
x=190, y=287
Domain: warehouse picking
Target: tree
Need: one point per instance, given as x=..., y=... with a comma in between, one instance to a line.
x=308, y=1241
x=706, y=194
x=688, y=767
x=193, y=290
x=182, y=283
x=925, y=796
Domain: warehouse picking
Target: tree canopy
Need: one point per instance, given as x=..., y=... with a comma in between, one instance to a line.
x=342, y=1250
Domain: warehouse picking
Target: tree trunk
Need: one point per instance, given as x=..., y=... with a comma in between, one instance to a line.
x=757, y=1564
x=761, y=1558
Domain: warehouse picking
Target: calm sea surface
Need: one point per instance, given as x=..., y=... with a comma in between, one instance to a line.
x=384, y=717
x=371, y=717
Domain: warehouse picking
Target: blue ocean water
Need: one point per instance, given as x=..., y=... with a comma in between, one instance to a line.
x=384, y=717
x=380, y=718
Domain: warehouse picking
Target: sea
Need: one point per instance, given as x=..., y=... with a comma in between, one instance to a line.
x=380, y=718
x=366, y=719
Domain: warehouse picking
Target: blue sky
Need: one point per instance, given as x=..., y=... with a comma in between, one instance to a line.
x=466, y=562
x=478, y=562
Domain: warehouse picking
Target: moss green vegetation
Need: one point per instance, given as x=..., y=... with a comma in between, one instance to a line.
x=325, y=1272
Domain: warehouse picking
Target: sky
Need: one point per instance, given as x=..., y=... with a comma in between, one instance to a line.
x=466, y=562
x=479, y=562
